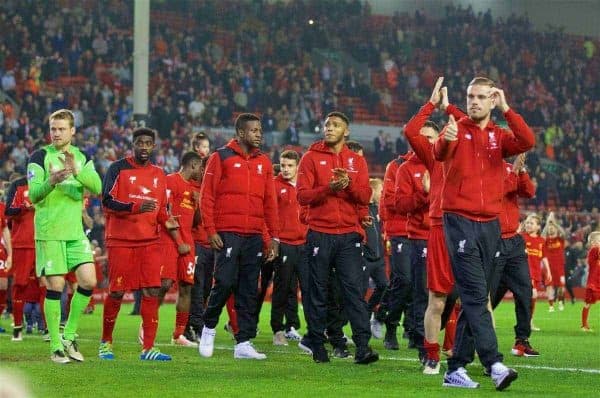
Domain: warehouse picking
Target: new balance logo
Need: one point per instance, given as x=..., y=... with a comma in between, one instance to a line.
x=399, y=250
x=424, y=253
x=228, y=252
x=315, y=251
x=461, y=246
x=284, y=259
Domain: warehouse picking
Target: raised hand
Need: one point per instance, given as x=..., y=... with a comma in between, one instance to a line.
x=519, y=163
x=340, y=180
x=500, y=99
x=445, y=101
x=426, y=181
x=69, y=162
x=451, y=132
x=59, y=176
x=436, y=94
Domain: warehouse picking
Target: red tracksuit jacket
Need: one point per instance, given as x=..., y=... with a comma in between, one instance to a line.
x=19, y=211
x=394, y=223
x=328, y=211
x=291, y=230
x=474, y=166
x=515, y=187
x=411, y=198
x=237, y=192
x=126, y=185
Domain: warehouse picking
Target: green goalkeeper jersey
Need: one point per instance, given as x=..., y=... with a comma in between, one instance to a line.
x=58, y=209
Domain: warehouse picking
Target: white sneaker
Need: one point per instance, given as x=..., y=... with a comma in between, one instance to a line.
x=183, y=342
x=207, y=342
x=551, y=308
x=534, y=328
x=279, y=338
x=376, y=328
x=503, y=376
x=246, y=350
x=459, y=378
x=293, y=335
x=561, y=306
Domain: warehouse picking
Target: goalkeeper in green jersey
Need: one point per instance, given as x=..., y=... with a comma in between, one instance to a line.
x=57, y=175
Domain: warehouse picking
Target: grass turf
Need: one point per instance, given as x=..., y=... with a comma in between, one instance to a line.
x=569, y=364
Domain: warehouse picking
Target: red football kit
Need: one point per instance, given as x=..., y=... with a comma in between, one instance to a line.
x=132, y=237
x=555, y=252
x=534, y=247
x=20, y=213
x=183, y=204
x=592, y=289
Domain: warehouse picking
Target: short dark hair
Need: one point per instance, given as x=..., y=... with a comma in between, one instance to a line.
x=240, y=121
x=144, y=131
x=276, y=169
x=354, y=146
x=201, y=136
x=290, y=154
x=433, y=125
x=340, y=115
x=189, y=157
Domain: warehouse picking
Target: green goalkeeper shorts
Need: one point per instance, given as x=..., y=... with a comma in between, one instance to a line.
x=58, y=257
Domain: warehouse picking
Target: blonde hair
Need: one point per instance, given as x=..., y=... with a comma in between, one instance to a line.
x=482, y=81
x=63, y=114
x=375, y=182
x=593, y=237
x=534, y=216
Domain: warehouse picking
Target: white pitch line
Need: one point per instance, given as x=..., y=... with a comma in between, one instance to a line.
x=230, y=348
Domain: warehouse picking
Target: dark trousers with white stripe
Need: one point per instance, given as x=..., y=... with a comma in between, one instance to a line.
x=237, y=269
x=472, y=246
x=343, y=253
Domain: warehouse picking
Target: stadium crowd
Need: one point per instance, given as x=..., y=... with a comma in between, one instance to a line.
x=55, y=58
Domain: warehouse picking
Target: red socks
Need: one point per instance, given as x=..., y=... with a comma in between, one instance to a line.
x=3, y=302
x=584, y=317
x=232, y=315
x=149, y=312
x=181, y=320
x=111, y=310
x=432, y=350
x=18, y=304
x=451, y=329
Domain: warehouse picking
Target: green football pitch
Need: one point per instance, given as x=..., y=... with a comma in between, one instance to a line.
x=569, y=365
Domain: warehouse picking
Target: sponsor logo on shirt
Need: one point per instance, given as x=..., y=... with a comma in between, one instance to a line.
x=259, y=169
x=468, y=136
x=132, y=179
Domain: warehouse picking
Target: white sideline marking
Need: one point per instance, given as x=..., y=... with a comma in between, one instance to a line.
x=230, y=348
